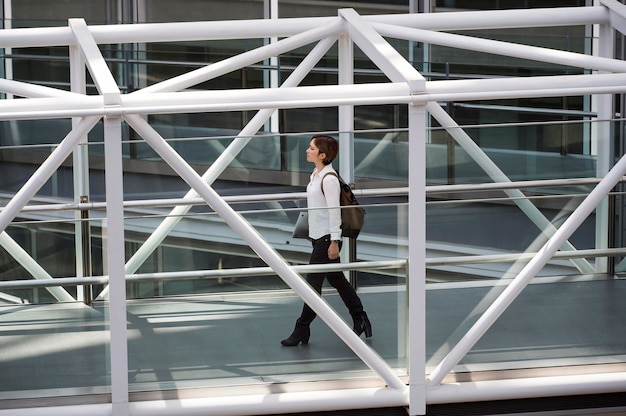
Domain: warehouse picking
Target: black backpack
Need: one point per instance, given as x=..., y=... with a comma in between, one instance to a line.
x=352, y=214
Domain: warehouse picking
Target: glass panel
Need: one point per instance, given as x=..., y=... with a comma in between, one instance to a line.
x=202, y=256
x=193, y=10
x=557, y=319
x=521, y=152
x=45, y=331
x=291, y=8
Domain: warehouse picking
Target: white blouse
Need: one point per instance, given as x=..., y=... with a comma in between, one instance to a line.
x=324, y=221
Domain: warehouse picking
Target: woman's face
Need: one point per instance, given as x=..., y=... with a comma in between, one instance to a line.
x=312, y=152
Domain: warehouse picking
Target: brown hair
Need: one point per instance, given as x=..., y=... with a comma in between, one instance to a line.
x=328, y=145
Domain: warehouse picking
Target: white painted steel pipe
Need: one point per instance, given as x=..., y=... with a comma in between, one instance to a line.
x=461, y=90
x=416, y=273
x=329, y=400
x=290, y=196
x=163, y=32
x=36, y=37
x=259, y=404
x=100, y=73
x=555, y=242
x=242, y=60
x=272, y=258
x=497, y=175
x=264, y=28
x=527, y=388
x=203, y=274
x=508, y=49
x=75, y=105
x=254, y=99
x=498, y=19
x=79, y=410
x=204, y=101
x=314, y=96
x=115, y=255
x=268, y=404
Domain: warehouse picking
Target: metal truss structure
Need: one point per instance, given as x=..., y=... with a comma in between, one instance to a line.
x=406, y=86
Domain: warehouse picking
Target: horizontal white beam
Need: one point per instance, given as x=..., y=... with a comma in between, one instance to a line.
x=315, y=96
x=164, y=32
x=503, y=88
x=265, y=28
x=258, y=404
x=201, y=101
x=349, y=399
x=498, y=19
x=527, y=388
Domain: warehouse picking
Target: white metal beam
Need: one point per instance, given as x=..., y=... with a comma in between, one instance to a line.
x=249, y=29
x=416, y=285
x=388, y=60
x=617, y=14
x=315, y=96
x=98, y=67
x=115, y=265
x=498, y=19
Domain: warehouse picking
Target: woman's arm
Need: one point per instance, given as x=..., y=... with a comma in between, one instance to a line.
x=330, y=185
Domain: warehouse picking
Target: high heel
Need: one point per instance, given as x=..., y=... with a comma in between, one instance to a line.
x=300, y=334
x=362, y=324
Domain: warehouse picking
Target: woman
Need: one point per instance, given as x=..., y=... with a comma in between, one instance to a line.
x=325, y=235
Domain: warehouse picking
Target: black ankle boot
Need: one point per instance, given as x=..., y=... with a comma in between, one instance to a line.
x=300, y=334
x=362, y=324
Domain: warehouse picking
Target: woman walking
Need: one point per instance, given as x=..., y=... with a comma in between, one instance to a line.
x=325, y=236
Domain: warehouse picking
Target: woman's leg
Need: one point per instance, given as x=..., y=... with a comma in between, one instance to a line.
x=302, y=332
x=361, y=323
x=319, y=255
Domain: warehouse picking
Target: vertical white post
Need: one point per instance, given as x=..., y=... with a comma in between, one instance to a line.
x=603, y=146
x=346, y=131
x=346, y=112
x=417, y=260
x=115, y=264
x=80, y=162
x=8, y=23
x=272, y=14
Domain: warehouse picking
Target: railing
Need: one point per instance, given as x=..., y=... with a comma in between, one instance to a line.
x=438, y=191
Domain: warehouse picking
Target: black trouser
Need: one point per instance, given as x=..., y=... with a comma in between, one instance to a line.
x=335, y=278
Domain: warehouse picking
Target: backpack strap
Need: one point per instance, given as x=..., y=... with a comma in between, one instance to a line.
x=324, y=177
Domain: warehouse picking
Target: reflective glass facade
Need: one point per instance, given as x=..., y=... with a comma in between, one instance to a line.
x=204, y=312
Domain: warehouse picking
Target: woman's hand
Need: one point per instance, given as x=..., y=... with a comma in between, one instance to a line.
x=333, y=250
